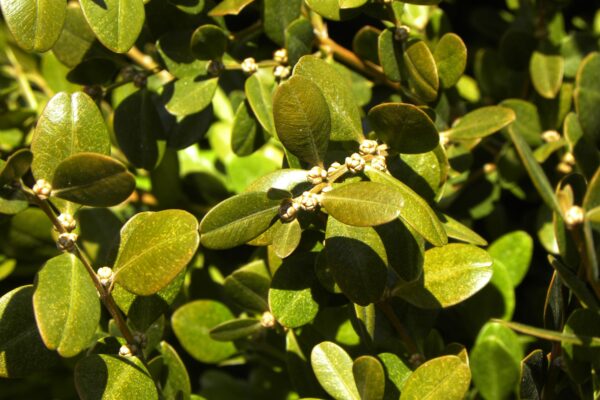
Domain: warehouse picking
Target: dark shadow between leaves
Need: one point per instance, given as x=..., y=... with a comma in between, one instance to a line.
x=101, y=3
x=404, y=173
x=403, y=250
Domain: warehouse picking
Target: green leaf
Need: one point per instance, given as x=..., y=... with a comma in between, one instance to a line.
x=587, y=95
x=209, y=42
x=446, y=377
x=564, y=337
x=93, y=180
x=422, y=72
x=302, y=121
x=292, y=294
x=76, y=41
x=68, y=125
x=451, y=274
x=12, y=201
x=369, y=378
x=450, y=56
x=299, y=369
x=299, y=38
x=190, y=95
x=66, y=305
x=235, y=329
x=139, y=130
x=458, y=231
x=514, y=250
x=481, y=123
x=363, y=203
x=582, y=323
x=584, y=150
x=390, y=55
x=344, y=4
x=229, y=7
x=286, y=238
x=238, y=220
x=192, y=324
x=248, y=286
x=277, y=16
x=246, y=131
x=330, y=9
x=576, y=284
x=174, y=379
x=22, y=351
x=175, y=51
x=15, y=167
x=154, y=248
x=356, y=256
x=344, y=113
x=546, y=71
x=116, y=23
x=425, y=173
x=333, y=368
x=284, y=179
x=404, y=127
x=35, y=24
x=365, y=43
x=527, y=122
x=416, y=212
x=396, y=371
x=495, y=361
x=105, y=376
x=259, y=92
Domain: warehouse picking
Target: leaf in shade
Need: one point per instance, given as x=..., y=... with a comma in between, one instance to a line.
x=154, y=248
x=277, y=16
x=116, y=23
x=533, y=375
x=514, y=250
x=587, y=93
x=235, y=329
x=174, y=379
x=450, y=56
x=12, y=201
x=248, y=286
x=546, y=334
x=286, y=238
x=404, y=127
x=246, y=133
x=68, y=125
x=481, y=123
x=527, y=122
x=546, y=71
x=369, y=378
x=238, y=220
x=422, y=72
x=333, y=368
x=458, y=231
x=299, y=38
x=229, y=7
x=301, y=119
x=93, y=180
x=446, y=377
x=190, y=95
x=35, y=24
x=174, y=50
x=15, y=167
x=331, y=9
x=66, y=305
x=390, y=55
x=363, y=203
x=77, y=40
x=586, y=155
x=209, y=42
x=364, y=43
x=259, y=93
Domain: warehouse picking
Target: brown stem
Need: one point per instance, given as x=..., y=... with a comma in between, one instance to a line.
x=148, y=63
x=387, y=309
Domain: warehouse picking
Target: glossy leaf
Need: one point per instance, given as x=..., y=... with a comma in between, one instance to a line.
x=302, y=121
x=422, y=71
x=116, y=23
x=481, y=123
x=445, y=377
x=527, y=123
x=246, y=131
x=68, y=125
x=15, y=167
x=344, y=4
x=344, y=113
x=456, y=230
x=451, y=274
x=248, y=286
x=330, y=9
x=299, y=37
x=175, y=51
x=369, y=378
x=286, y=238
x=174, y=379
x=514, y=250
x=363, y=203
x=284, y=179
x=35, y=24
x=192, y=324
x=22, y=351
x=546, y=71
x=390, y=55
x=277, y=16
x=66, y=305
x=108, y=376
x=365, y=43
x=259, y=92
x=404, y=127
x=237, y=220
x=587, y=93
x=235, y=329
x=93, y=180
x=76, y=39
x=333, y=368
x=154, y=248
x=191, y=95
x=229, y=7
x=450, y=56
x=209, y=42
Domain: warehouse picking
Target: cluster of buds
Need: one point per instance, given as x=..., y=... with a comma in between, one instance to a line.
x=42, y=189
x=105, y=275
x=267, y=320
x=402, y=33
x=355, y=163
x=66, y=241
x=67, y=221
x=316, y=175
x=378, y=163
x=550, y=136
x=333, y=168
x=574, y=216
x=310, y=201
x=128, y=350
x=566, y=163
x=281, y=72
x=288, y=210
x=368, y=147
x=280, y=56
x=249, y=66
x=215, y=67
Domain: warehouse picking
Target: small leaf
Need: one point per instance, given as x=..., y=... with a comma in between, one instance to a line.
x=35, y=24
x=330, y=9
x=174, y=50
x=229, y=7
x=238, y=220
x=66, y=305
x=286, y=238
x=363, y=203
x=344, y=4
x=302, y=120
x=108, y=376
x=451, y=59
x=248, y=286
x=404, y=127
x=446, y=377
x=564, y=337
x=246, y=132
x=175, y=382
x=458, y=231
x=68, y=125
x=277, y=16
x=12, y=201
x=209, y=42
x=15, y=167
x=527, y=122
x=369, y=378
x=422, y=72
x=155, y=247
x=514, y=250
x=390, y=52
x=116, y=23
x=77, y=40
x=585, y=152
x=333, y=368
x=546, y=71
x=365, y=43
x=299, y=38
x=190, y=95
x=93, y=180
x=587, y=93
x=451, y=274
x=397, y=372
x=235, y=329
x=259, y=92
x=480, y=123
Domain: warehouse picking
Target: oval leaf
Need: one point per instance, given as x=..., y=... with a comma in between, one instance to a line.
x=587, y=92
x=422, y=72
x=286, y=238
x=190, y=95
x=480, y=123
x=363, y=203
x=229, y=7
x=514, y=250
x=302, y=120
x=333, y=368
x=369, y=378
x=546, y=71
x=235, y=329
x=209, y=42
x=177, y=384
x=66, y=305
x=451, y=59
x=155, y=247
x=15, y=167
x=92, y=180
x=446, y=377
x=259, y=92
x=248, y=286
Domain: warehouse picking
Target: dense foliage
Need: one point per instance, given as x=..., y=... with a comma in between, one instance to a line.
x=278, y=199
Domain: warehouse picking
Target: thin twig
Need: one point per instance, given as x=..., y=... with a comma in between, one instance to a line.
x=387, y=309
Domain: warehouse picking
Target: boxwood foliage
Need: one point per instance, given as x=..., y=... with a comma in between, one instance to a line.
x=268, y=199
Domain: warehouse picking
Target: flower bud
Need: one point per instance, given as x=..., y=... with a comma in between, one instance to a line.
x=67, y=221
x=378, y=163
x=574, y=216
x=333, y=168
x=368, y=147
x=281, y=56
x=309, y=201
x=42, y=189
x=66, y=241
x=288, y=210
x=281, y=72
x=267, y=320
x=355, y=163
x=249, y=66
x=316, y=175
x=105, y=275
